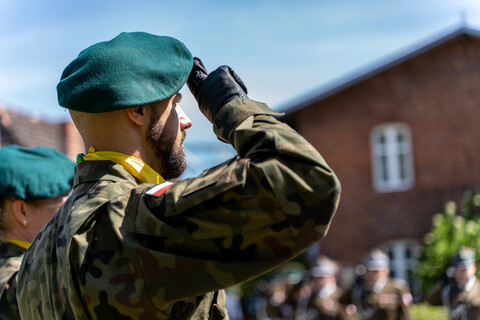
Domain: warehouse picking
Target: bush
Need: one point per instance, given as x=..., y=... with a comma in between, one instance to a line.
x=451, y=230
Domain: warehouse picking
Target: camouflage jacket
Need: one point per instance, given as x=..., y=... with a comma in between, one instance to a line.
x=10, y=258
x=117, y=250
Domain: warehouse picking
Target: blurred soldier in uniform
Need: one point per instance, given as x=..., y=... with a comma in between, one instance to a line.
x=33, y=185
x=323, y=303
x=375, y=296
x=460, y=290
x=129, y=244
x=269, y=306
x=282, y=295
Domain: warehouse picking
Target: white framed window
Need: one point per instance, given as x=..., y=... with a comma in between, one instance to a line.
x=403, y=256
x=392, y=159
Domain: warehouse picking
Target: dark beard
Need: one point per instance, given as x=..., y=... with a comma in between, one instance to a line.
x=170, y=158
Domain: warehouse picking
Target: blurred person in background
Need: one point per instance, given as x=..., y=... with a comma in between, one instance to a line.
x=33, y=185
x=459, y=291
x=323, y=302
x=375, y=296
x=282, y=295
x=274, y=296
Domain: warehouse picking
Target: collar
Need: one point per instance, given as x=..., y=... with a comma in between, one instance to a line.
x=327, y=290
x=19, y=243
x=379, y=285
x=136, y=167
x=469, y=285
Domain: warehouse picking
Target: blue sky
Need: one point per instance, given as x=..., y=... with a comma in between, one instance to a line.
x=281, y=49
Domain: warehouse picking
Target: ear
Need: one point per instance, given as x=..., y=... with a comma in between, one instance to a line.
x=19, y=211
x=137, y=115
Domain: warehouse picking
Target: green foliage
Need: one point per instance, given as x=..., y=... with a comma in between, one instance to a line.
x=423, y=311
x=451, y=230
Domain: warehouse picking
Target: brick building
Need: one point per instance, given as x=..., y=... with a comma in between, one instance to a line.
x=21, y=129
x=404, y=138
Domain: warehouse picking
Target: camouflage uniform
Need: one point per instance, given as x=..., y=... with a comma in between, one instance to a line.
x=10, y=258
x=116, y=251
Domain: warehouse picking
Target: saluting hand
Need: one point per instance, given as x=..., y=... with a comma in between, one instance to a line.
x=213, y=91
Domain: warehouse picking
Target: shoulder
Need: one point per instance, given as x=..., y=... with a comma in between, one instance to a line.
x=399, y=284
x=10, y=259
x=9, y=250
x=8, y=272
x=396, y=286
x=402, y=289
x=87, y=198
x=338, y=293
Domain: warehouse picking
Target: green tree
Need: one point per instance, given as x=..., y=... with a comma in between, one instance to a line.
x=456, y=226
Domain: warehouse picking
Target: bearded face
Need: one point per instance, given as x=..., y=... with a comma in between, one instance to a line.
x=166, y=145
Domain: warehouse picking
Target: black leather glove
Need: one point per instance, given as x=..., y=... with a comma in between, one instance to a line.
x=213, y=91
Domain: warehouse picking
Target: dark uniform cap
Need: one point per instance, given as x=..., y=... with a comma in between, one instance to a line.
x=35, y=173
x=376, y=260
x=132, y=69
x=324, y=267
x=464, y=258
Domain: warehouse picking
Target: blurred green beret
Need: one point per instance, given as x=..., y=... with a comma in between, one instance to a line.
x=464, y=258
x=132, y=69
x=323, y=267
x=376, y=260
x=35, y=173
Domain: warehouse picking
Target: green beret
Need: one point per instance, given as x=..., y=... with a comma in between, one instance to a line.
x=324, y=267
x=464, y=258
x=376, y=260
x=35, y=173
x=132, y=69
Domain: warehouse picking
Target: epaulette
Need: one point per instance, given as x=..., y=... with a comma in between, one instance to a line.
x=399, y=283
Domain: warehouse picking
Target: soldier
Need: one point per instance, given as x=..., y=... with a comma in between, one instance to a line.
x=282, y=295
x=323, y=304
x=129, y=245
x=375, y=296
x=33, y=185
x=460, y=290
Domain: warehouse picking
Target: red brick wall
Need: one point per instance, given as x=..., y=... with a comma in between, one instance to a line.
x=437, y=94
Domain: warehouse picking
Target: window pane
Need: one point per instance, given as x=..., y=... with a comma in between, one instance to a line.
x=381, y=145
x=400, y=137
x=401, y=167
x=383, y=163
x=381, y=138
x=390, y=254
x=391, y=157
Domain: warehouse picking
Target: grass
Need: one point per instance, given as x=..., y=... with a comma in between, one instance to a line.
x=423, y=311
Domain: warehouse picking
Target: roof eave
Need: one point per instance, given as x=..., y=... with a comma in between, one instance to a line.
x=370, y=71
